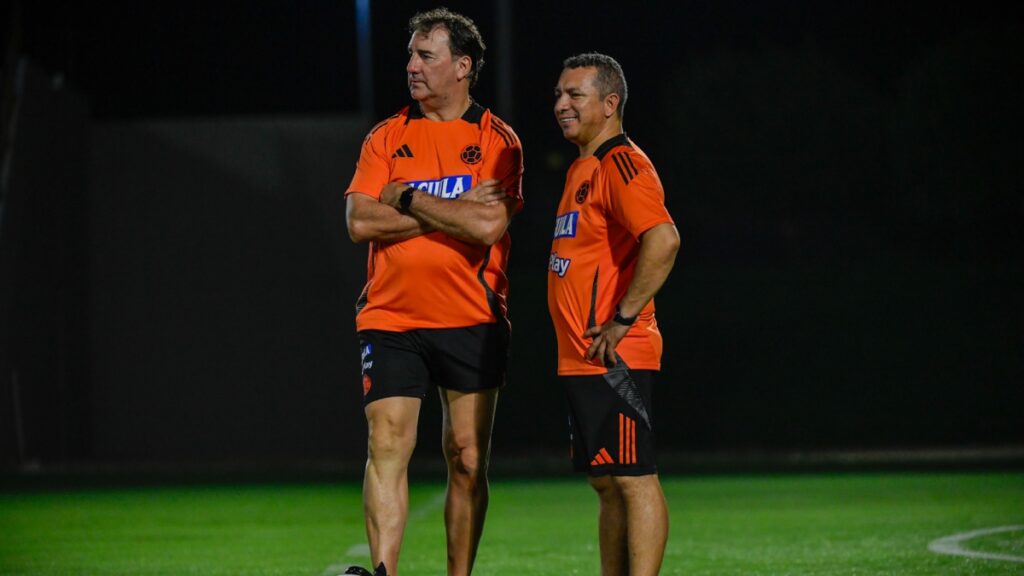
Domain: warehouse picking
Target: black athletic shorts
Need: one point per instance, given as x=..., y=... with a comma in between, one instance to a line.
x=611, y=422
x=412, y=363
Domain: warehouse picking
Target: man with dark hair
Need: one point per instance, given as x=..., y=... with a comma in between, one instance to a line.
x=434, y=190
x=614, y=245
x=463, y=37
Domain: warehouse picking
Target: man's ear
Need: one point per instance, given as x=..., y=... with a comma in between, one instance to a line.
x=611, y=104
x=463, y=67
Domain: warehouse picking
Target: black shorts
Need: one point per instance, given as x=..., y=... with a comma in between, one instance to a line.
x=412, y=363
x=611, y=422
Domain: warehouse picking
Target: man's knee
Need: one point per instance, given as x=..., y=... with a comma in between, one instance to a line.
x=390, y=436
x=466, y=461
x=390, y=445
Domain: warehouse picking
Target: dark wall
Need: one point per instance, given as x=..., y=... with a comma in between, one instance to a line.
x=846, y=181
x=45, y=381
x=224, y=284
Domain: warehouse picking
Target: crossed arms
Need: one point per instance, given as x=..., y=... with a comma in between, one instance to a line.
x=479, y=216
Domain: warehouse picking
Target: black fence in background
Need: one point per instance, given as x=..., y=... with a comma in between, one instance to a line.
x=181, y=290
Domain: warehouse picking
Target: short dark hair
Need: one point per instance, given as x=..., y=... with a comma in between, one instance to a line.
x=464, y=38
x=610, y=77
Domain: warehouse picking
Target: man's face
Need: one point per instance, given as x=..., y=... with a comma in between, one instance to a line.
x=432, y=72
x=580, y=110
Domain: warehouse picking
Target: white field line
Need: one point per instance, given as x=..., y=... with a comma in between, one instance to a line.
x=952, y=544
x=358, y=550
x=361, y=550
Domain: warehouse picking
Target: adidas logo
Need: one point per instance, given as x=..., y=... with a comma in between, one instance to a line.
x=601, y=458
x=402, y=152
x=627, y=439
x=627, y=444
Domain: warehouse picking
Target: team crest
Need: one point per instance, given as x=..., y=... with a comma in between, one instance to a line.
x=582, y=191
x=471, y=154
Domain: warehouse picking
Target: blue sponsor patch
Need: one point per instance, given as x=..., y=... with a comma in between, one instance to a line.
x=367, y=351
x=565, y=224
x=448, y=187
x=559, y=265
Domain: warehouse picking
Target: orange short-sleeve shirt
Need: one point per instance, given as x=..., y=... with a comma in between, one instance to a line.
x=609, y=200
x=434, y=280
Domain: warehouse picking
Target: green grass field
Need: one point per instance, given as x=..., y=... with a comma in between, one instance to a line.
x=849, y=524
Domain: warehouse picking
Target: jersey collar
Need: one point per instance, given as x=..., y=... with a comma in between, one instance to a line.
x=617, y=140
x=474, y=114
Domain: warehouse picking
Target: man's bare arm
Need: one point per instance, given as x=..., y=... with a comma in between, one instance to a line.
x=369, y=220
x=658, y=248
x=480, y=216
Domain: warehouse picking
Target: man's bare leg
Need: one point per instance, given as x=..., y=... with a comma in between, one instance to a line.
x=611, y=526
x=647, y=522
x=392, y=437
x=466, y=438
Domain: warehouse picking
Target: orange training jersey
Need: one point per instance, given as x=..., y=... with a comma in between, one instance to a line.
x=434, y=280
x=609, y=200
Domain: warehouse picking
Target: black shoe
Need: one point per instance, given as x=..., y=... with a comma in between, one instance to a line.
x=360, y=571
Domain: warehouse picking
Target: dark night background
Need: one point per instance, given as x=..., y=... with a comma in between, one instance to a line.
x=177, y=284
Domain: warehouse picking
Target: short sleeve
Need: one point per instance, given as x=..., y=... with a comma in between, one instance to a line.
x=373, y=169
x=505, y=160
x=636, y=198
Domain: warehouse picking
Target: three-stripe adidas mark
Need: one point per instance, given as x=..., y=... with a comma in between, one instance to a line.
x=602, y=457
x=403, y=152
x=625, y=165
x=627, y=444
x=627, y=439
